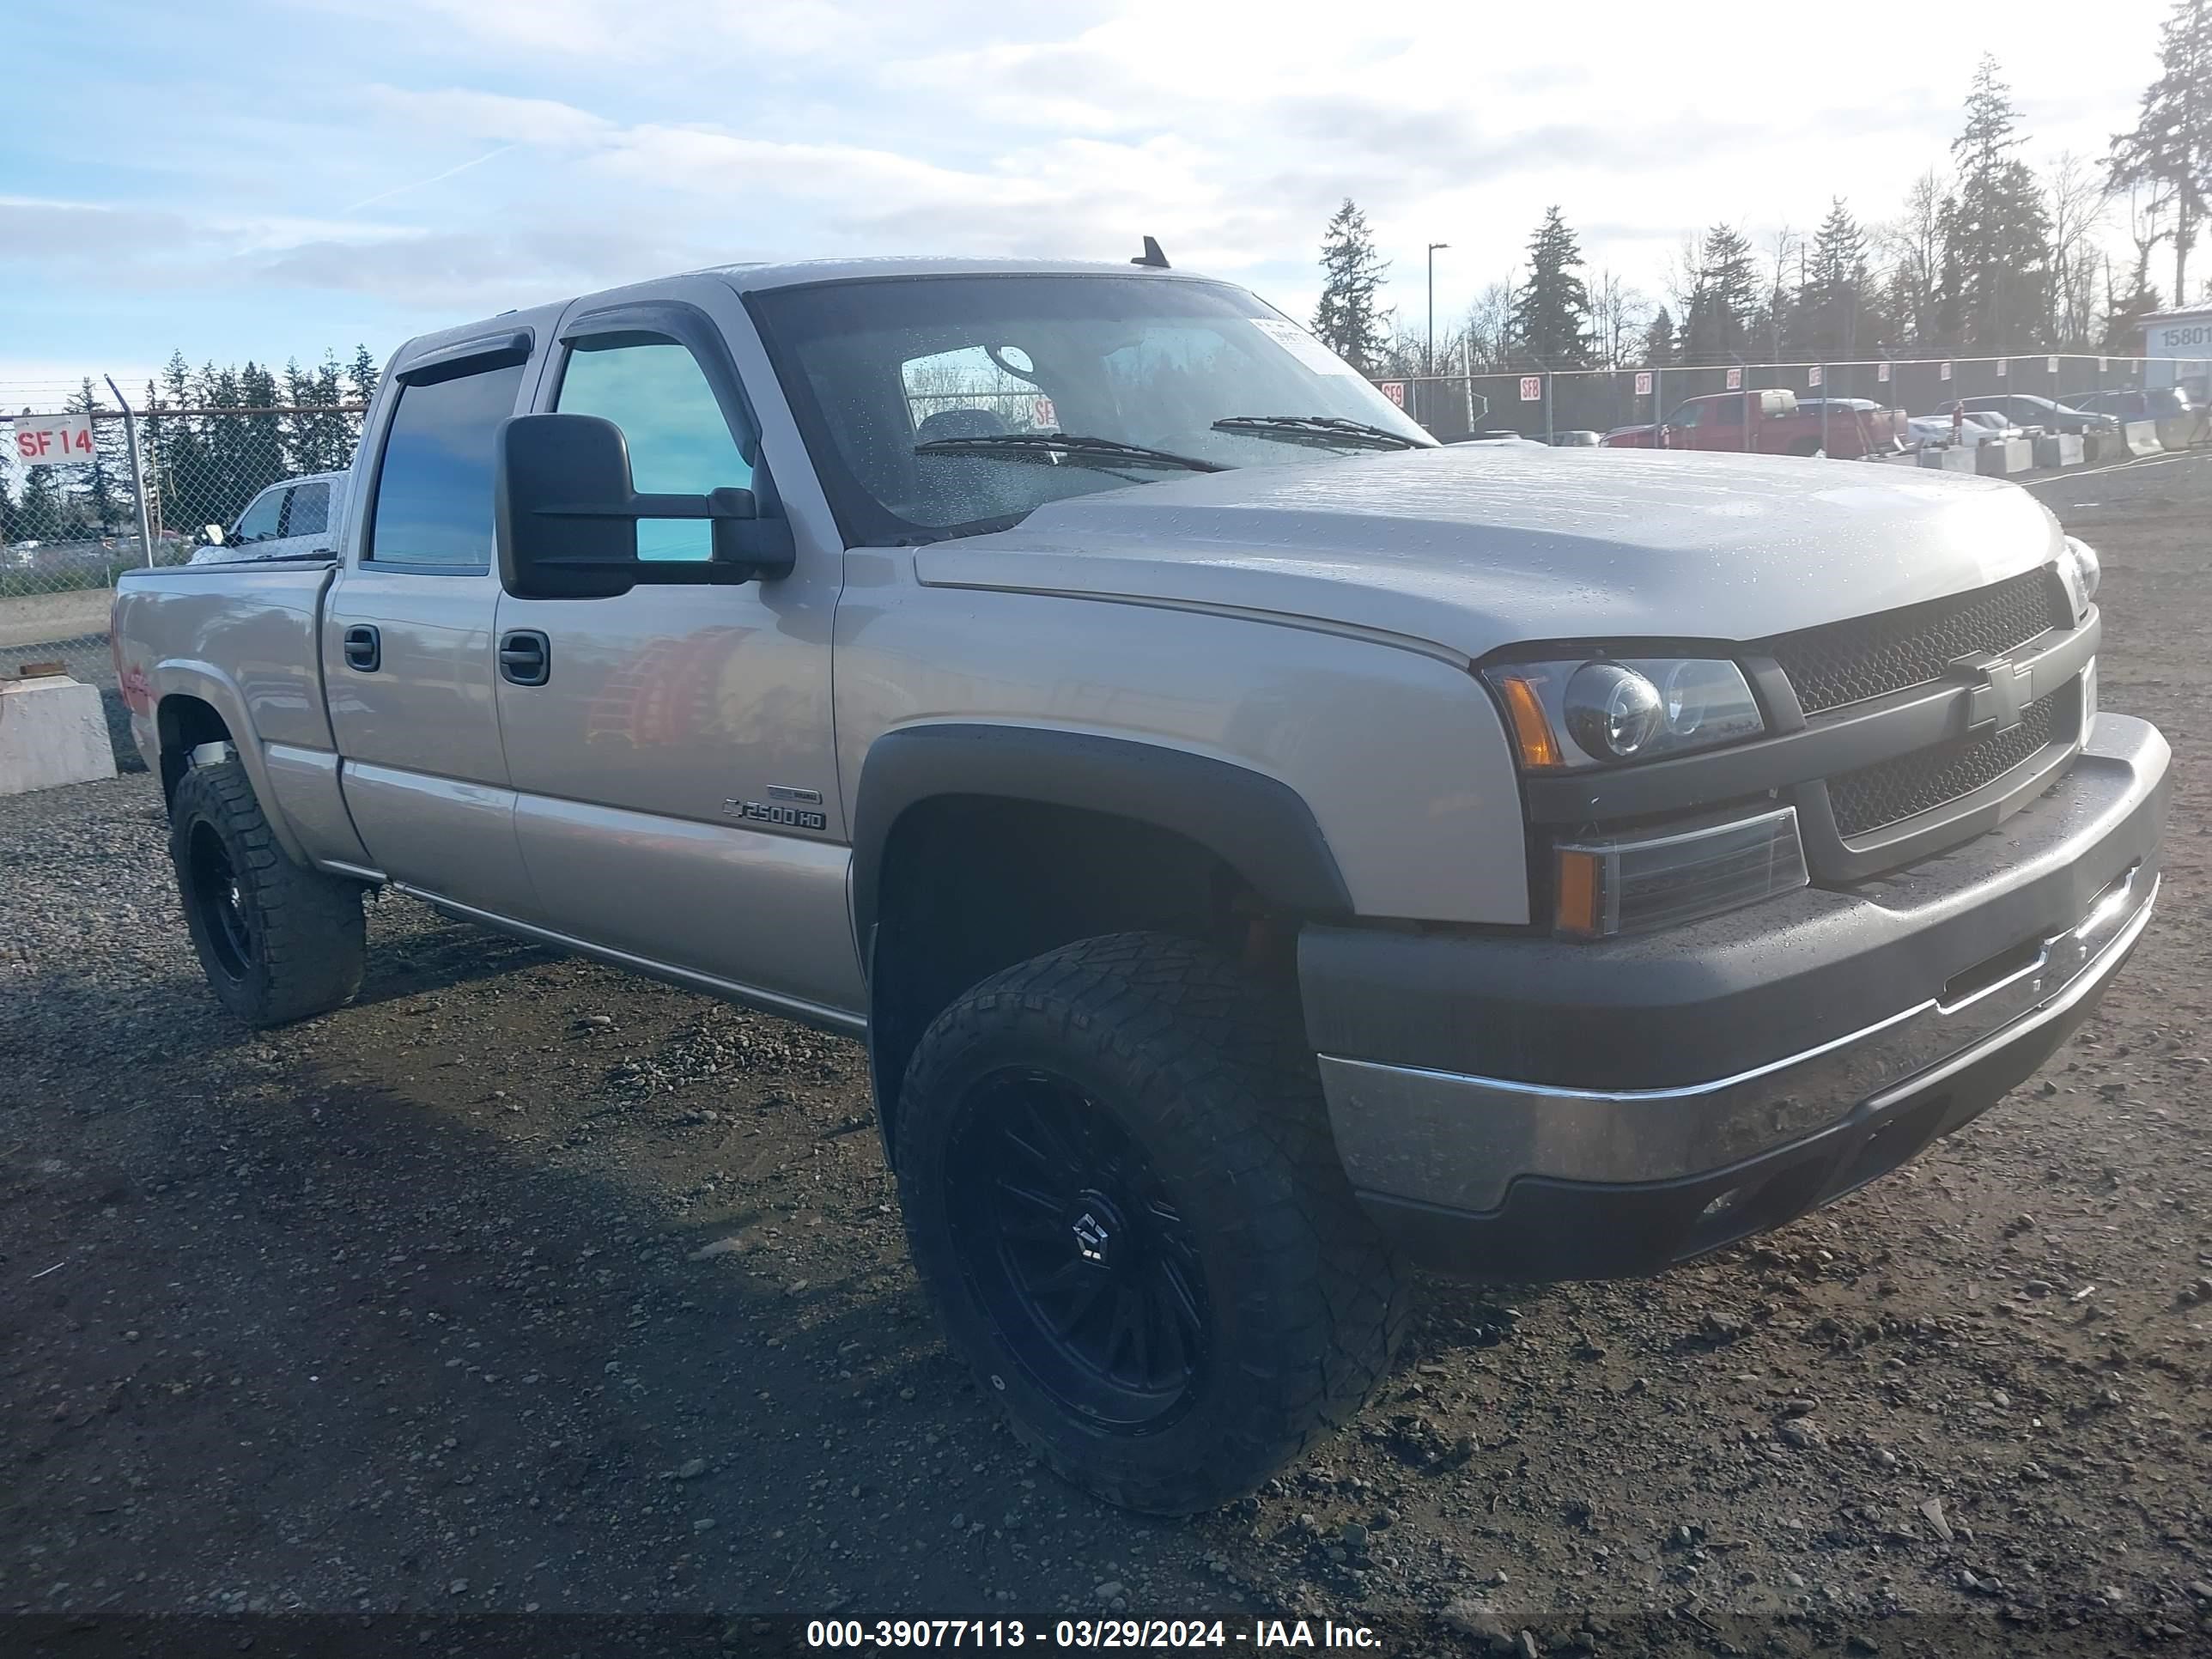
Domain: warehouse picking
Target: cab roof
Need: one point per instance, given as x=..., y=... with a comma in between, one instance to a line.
x=751, y=278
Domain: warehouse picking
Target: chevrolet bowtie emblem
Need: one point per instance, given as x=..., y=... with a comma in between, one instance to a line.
x=2001, y=689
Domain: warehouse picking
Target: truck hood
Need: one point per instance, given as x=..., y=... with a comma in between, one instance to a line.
x=1473, y=547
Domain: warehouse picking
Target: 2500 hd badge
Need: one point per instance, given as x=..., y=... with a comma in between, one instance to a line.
x=790, y=817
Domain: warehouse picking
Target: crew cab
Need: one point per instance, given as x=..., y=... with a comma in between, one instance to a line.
x=1261, y=848
x=1771, y=422
x=294, y=517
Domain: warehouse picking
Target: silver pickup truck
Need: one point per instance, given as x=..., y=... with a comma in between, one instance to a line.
x=1259, y=847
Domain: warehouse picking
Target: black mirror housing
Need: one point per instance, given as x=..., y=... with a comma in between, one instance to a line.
x=566, y=516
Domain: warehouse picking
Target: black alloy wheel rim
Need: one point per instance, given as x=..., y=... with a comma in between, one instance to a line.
x=221, y=900
x=1068, y=1239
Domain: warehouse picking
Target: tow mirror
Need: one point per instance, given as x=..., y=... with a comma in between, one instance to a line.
x=211, y=534
x=566, y=517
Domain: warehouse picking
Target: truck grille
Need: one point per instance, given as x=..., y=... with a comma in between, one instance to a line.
x=1847, y=662
x=1893, y=790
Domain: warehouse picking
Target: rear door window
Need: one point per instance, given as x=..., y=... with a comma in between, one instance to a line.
x=432, y=506
x=309, y=511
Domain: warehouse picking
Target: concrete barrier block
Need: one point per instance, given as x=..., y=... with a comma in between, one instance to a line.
x=1899, y=458
x=2142, y=438
x=2003, y=457
x=1955, y=460
x=2181, y=431
x=52, y=731
x=2104, y=445
x=2058, y=449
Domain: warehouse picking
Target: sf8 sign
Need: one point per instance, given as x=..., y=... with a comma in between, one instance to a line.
x=53, y=439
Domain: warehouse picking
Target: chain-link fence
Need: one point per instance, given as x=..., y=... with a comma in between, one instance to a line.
x=71, y=513
x=1538, y=403
x=70, y=507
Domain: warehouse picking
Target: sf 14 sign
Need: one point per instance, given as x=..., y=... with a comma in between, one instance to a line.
x=53, y=439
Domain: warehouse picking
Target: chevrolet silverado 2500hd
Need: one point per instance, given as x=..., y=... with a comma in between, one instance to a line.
x=1261, y=848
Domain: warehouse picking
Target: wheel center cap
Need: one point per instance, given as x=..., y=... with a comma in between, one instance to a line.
x=1092, y=1235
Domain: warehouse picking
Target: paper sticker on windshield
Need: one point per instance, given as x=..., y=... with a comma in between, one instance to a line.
x=1303, y=346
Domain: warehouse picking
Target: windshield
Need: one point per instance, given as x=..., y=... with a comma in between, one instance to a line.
x=879, y=369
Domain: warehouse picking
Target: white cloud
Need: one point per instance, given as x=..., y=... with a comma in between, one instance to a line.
x=559, y=145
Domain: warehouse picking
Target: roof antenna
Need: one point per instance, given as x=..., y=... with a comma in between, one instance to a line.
x=1151, y=256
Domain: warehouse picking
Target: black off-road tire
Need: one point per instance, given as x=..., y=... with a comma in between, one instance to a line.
x=1206, y=1071
x=278, y=943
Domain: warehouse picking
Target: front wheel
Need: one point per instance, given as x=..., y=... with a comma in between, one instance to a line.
x=277, y=942
x=1119, y=1183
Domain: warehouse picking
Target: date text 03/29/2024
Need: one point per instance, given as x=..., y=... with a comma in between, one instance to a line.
x=1087, y=1633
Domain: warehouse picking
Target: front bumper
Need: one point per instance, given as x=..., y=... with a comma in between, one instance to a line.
x=1527, y=1109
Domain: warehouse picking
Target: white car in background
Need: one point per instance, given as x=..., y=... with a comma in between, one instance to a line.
x=290, y=520
x=1978, y=427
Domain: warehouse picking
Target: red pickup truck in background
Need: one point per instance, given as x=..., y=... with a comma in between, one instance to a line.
x=1772, y=423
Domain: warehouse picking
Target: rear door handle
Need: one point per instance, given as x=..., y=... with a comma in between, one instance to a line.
x=526, y=657
x=364, y=648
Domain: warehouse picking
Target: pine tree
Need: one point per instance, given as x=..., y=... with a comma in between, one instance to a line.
x=2000, y=233
x=1659, y=341
x=2124, y=312
x=362, y=374
x=177, y=455
x=1551, y=314
x=265, y=438
x=1347, y=318
x=1834, y=302
x=98, y=485
x=38, y=516
x=1724, y=301
x=2170, y=147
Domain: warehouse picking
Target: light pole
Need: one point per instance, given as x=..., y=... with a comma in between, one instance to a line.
x=1428, y=340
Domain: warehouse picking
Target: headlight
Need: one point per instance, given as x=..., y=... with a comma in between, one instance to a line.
x=1569, y=715
x=2078, y=567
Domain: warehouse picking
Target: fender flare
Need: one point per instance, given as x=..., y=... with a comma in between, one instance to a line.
x=187, y=677
x=1259, y=825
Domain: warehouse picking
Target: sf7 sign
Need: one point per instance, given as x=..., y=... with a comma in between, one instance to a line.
x=54, y=439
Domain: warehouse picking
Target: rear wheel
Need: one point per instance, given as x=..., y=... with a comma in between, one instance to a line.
x=1119, y=1183
x=277, y=942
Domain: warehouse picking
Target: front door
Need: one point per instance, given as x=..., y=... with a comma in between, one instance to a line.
x=670, y=748
x=408, y=661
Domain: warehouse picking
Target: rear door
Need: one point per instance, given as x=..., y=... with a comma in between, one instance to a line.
x=408, y=661
x=671, y=747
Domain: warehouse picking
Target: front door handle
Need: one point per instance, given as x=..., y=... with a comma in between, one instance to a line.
x=526, y=657
x=364, y=648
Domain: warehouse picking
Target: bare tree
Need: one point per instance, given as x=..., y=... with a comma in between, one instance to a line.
x=1488, y=326
x=1619, y=317
x=1911, y=246
x=1786, y=245
x=1682, y=276
x=2073, y=195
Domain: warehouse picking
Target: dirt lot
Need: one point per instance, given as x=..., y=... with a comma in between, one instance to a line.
x=523, y=1285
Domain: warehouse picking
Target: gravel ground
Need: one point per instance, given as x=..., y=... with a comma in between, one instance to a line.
x=525, y=1286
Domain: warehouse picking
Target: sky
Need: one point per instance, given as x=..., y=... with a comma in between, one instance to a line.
x=242, y=178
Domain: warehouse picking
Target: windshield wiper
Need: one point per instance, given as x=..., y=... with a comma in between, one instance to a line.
x=1328, y=430
x=1068, y=447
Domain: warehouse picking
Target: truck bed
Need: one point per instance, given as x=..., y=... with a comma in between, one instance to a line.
x=236, y=635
